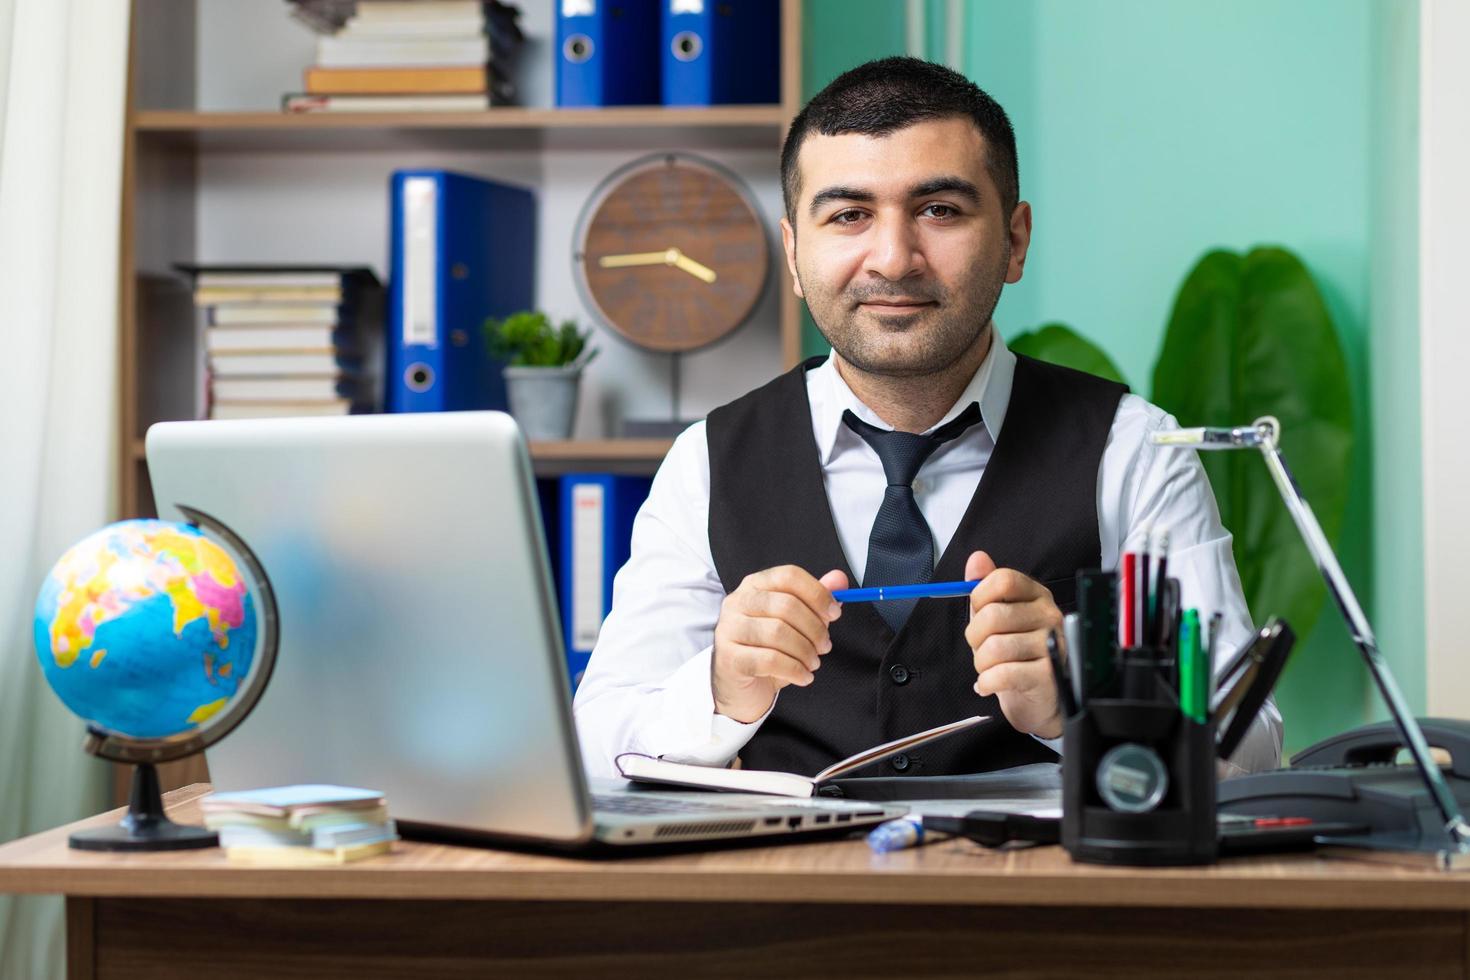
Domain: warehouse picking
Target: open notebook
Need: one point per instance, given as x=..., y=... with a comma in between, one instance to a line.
x=642, y=768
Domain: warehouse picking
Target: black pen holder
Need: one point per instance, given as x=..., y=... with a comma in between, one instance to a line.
x=1138, y=776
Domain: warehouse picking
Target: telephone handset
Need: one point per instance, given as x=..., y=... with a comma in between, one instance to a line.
x=1355, y=778
x=1379, y=745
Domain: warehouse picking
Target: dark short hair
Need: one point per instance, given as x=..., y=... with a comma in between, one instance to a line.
x=886, y=95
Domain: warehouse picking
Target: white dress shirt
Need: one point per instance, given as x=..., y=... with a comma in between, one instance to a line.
x=647, y=687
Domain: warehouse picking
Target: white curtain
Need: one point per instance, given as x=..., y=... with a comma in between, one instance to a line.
x=63, y=72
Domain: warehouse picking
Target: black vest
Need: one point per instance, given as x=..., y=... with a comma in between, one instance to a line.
x=1035, y=510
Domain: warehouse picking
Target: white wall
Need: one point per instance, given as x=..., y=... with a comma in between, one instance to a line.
x=1444, y=348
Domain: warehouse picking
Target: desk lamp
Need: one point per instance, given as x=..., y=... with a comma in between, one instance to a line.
x=1264, y=435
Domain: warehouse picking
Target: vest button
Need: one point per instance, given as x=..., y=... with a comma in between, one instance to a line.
x=900, y=762
x=899, y=673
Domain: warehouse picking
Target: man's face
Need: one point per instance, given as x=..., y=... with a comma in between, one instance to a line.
x=901, y=244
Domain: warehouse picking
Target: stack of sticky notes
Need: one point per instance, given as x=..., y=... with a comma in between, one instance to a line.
x=300, y=825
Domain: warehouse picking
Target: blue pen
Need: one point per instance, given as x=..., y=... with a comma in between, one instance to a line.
x=895, y=835
x=930, y=590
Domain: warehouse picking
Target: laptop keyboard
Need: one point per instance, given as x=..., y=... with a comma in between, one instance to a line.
x=637, y=805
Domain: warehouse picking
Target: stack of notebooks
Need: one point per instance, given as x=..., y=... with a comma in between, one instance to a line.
x=300, y=825
x=409, y=56
x=290, y=340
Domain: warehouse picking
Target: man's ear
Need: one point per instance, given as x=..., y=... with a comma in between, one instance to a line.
x=1020, y=235
x=788, y=242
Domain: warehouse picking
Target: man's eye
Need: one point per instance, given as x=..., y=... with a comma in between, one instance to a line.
x=940, y=211
x=847, y=217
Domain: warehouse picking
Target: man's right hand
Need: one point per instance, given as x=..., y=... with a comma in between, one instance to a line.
x=772, y=632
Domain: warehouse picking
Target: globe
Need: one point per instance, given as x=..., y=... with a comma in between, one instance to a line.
x=146, y=628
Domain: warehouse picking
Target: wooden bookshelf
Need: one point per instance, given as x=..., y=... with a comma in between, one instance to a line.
x=169, y=143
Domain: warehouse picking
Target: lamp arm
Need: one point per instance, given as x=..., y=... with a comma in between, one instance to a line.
x=1352, y=612
x=1264, y=435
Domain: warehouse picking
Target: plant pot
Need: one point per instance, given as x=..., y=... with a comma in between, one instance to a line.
x=544, y=399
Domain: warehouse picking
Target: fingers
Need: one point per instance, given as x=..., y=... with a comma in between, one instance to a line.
x=774, y=628
x=754, y=661
x=1011, y=616
x=799, y=583
x=1038, y=616
x=782, y=607
x=1003, y=648
x=1006, y=585
x=834, y=580
x=978, y=565
x=1014, y=676
x=778, y=636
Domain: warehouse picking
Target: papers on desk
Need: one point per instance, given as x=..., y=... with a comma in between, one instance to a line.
x=300, y=825
x=641, y=768
x=1033, y=791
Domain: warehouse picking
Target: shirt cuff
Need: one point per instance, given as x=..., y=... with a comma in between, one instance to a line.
x=693, y=733
x=1055, y=744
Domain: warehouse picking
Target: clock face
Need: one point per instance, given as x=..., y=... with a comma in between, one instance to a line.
x=671, y=253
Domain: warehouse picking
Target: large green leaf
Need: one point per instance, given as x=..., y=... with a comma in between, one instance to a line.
x=1251, y=336
x=1058, y=343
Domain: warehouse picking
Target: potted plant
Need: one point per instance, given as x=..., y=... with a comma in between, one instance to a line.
x=543, y=369
x=1250, y=335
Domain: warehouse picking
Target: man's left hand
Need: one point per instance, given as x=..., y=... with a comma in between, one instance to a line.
x=1010, y=617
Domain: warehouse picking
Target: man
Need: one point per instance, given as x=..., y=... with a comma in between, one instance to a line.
x=921, y=439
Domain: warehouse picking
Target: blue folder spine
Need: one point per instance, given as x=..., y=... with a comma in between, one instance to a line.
x=597, y=512
x=463, y=249
x=607, y=52
x=721, y=53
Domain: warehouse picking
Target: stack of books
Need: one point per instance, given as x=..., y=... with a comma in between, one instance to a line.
x=409, y=56
x=300, y=825
x=290, y=340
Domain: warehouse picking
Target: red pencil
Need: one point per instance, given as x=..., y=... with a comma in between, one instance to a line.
x=1128, y=599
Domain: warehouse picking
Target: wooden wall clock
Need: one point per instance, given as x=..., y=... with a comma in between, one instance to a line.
x=671, y=253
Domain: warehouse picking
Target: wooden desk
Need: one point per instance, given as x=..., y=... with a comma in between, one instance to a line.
x=821, y=909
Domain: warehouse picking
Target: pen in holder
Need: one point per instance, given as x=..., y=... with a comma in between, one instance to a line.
x=1138, y=760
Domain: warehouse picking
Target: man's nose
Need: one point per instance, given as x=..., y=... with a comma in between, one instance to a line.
x=894, y=253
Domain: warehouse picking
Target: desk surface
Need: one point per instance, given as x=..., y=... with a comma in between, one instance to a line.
x=951, y=873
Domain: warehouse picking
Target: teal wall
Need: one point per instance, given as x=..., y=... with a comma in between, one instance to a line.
x=1151, y=131
x=836, y=35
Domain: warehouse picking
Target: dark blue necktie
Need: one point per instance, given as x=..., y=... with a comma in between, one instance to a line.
x=901, y=547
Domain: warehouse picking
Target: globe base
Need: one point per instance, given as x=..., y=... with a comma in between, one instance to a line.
x=165, y=836
x=144, y=827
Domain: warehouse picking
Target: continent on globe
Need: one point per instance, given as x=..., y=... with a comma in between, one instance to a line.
x=145, y=628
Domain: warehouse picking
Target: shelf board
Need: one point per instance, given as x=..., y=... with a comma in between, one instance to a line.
x=602, y=449
x=569, y=455
x=497, y=128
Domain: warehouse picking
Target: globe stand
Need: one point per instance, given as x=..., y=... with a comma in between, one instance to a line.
x=144, y=827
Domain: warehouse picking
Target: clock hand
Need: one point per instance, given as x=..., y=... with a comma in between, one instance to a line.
x=636, y=258
x=670, y=256
x=695, y=269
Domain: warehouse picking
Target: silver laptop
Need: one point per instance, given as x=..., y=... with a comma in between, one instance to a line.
x=420, y=647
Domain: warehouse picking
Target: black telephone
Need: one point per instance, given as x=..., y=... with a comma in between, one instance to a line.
x=1355, y=777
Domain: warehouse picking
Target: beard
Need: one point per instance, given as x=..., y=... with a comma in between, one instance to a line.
x=914, y=345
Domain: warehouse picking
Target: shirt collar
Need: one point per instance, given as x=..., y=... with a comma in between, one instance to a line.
x=990, y=386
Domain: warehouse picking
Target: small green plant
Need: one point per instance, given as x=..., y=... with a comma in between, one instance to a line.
x=527, y=339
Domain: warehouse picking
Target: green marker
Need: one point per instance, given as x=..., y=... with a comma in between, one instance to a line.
x=1193, y=672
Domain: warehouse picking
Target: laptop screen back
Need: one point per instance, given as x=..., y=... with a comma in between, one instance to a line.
x=421, y=652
